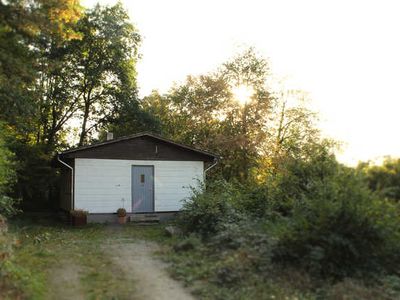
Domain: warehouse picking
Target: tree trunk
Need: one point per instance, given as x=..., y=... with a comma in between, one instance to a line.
x=84, y=124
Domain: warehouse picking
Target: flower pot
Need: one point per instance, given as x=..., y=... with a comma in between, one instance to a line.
x=122, y=220
x=78, y=220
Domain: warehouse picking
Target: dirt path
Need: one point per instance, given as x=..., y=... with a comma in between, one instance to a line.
x=149, y=275
x=66, y=284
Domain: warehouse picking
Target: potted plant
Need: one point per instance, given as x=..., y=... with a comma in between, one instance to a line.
x=78, y=217
x=121, y=212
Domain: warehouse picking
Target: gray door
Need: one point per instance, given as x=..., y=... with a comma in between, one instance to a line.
x=143, y=188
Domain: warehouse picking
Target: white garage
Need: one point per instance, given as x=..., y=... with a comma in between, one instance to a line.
x=143, y=173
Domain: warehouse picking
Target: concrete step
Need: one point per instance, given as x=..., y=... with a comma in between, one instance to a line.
x=144, y=218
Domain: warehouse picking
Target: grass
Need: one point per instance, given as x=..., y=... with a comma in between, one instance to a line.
x=47, y=249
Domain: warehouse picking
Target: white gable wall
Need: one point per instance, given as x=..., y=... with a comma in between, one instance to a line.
x=101, y=184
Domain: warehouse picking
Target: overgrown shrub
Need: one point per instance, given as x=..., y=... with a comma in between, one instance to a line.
x=295, y=179
x=210, y=207
x=249, y=239
x=8, y=206
x=341, y=231
x=318, y=216
x=238, y=250
x=7, y=177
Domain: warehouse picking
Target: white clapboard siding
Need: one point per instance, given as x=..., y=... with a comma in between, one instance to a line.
x=101, y=184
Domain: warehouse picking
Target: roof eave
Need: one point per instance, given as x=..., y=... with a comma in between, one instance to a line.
x=214, y=156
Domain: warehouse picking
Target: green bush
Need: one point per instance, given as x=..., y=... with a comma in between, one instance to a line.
x=294, y=179
x=7, y=176
x=318, y=216
x=342, y=231
x=8, y=206
x=247, y=237
x=210, y=207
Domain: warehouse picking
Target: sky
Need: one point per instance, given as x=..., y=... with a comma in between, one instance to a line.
x=345, y=54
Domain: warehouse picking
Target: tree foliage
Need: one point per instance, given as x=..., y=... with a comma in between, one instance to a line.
x=65, y=72
x=383, y=179
x=105, y=60
x=204, y=112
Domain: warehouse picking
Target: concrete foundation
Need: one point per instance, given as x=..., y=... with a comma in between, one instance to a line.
x=113, y=218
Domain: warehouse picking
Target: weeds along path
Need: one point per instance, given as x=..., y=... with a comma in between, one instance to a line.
x=148, y=274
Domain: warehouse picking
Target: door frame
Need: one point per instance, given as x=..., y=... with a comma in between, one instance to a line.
x=132, y=187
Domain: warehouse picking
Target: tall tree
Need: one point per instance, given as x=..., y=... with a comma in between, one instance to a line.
x=55, y=89
x=205, y=112
x=59, y=66
x=17, y=65
x=32, y=34
x=30, y=31
x=104, y=60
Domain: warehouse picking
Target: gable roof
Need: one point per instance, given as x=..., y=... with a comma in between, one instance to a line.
x=75, y=152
